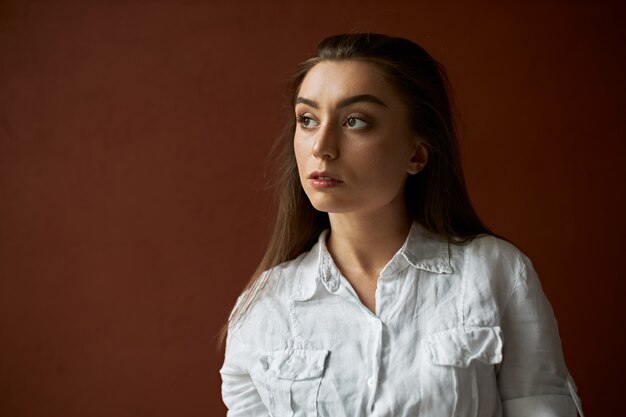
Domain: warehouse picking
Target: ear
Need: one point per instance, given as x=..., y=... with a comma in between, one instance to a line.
x=419, y=158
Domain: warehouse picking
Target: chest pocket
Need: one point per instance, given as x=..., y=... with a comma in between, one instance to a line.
x=460, y=370
x=293, y=377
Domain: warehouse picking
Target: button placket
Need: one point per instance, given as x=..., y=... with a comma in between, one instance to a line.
x=377, y=335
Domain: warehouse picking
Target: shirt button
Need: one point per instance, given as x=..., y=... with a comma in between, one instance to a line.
x=371, y=382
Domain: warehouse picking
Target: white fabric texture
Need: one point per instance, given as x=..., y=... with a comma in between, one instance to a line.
x=459, y=330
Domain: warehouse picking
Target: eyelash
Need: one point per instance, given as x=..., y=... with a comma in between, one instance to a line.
x=301, y=118
x=355, y=116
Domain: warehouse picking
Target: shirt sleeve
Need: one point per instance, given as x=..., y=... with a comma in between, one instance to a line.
x=238, y=392
x=533, y=378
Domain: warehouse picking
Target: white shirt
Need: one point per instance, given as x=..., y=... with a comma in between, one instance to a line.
x=459, y=330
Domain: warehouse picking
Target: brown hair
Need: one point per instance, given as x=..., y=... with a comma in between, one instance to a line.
x=437, y=197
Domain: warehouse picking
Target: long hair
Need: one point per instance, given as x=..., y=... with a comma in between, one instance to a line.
x=436, y=197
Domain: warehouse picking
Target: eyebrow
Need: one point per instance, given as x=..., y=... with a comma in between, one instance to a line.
x=368, y=98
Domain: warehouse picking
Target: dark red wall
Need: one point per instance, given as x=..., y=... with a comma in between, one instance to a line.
x=132, y=209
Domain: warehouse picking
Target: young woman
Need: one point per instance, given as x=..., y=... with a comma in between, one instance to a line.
x=381, y=292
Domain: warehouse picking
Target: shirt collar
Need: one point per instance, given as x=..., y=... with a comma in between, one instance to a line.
x=421, y=249
x=427, y=250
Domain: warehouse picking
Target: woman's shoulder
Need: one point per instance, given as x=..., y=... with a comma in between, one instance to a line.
x=491, y=249
x=491, y=261
x=267, y=316
x=490, y=270
x=282, y=277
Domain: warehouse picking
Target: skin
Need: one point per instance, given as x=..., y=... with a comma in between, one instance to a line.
x=369, y=147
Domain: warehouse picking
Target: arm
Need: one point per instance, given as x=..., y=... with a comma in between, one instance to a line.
x=238, y=393
x=533, y=378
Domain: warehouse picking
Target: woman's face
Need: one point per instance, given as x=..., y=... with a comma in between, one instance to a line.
x=353, y=143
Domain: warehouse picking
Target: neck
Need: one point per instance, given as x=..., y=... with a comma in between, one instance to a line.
x=363, y=243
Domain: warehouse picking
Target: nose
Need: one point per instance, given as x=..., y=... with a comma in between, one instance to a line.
x=326, y=143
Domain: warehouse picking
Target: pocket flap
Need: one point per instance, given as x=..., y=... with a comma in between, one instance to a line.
x=461, y=345
x=297, y=363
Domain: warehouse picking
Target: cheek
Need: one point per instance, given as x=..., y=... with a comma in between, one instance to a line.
x=297, y=149
x=382, y=161
x=384, y=169
x=300, y=154
x=388, y=177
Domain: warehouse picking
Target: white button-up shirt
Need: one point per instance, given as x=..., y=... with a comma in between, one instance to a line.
x=459, y=330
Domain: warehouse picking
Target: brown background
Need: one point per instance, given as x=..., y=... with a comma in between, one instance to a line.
x=132, y=208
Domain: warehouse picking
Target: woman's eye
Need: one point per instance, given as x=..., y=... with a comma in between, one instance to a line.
x=356, y=123
x=306, y=122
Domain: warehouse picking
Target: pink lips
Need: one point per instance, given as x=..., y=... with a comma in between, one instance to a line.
x=323, y=180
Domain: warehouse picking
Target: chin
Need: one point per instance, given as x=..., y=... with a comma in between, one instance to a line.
x=327, y=206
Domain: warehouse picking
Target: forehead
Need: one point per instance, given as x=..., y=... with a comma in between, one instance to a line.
x=333, y=80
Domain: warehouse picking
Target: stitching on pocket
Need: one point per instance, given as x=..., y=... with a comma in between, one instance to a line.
x=293, y=377
x=460, y=346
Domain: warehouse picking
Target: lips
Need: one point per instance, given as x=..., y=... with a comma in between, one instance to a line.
x=324, y=180
x=323, y=176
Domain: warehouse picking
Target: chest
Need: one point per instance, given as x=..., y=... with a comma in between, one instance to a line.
x=365, y=288
x=413, y=351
